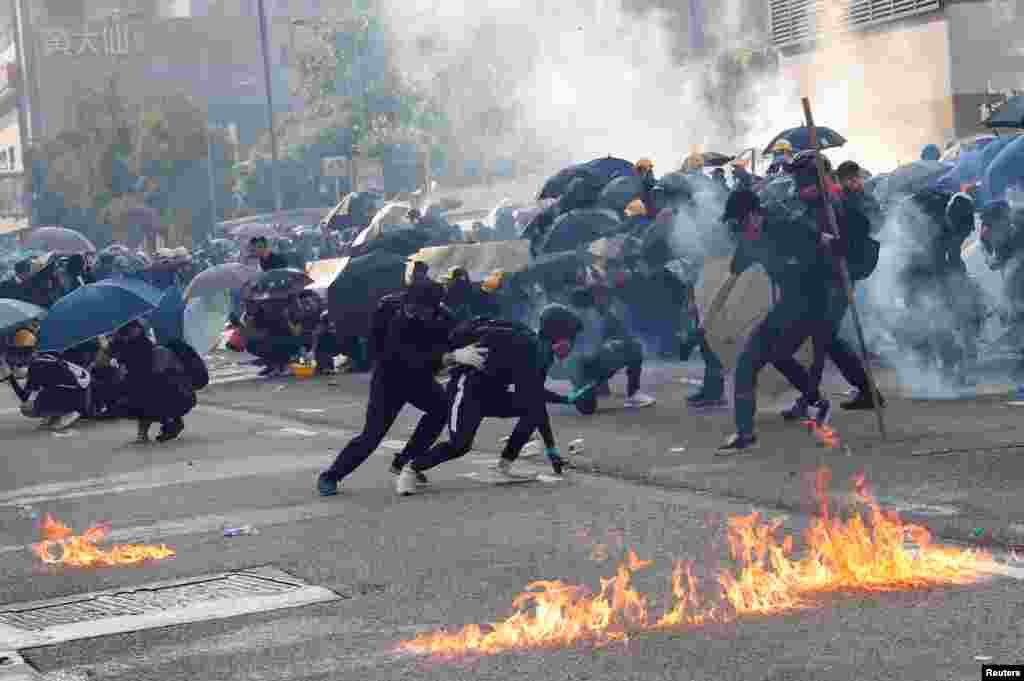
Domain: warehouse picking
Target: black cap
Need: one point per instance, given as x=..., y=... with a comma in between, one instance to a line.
x=558, y=321
x=428, y=293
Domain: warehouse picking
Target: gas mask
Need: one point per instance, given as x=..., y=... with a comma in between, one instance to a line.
x=562, y=348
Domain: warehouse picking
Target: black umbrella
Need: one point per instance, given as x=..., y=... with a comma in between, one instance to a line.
x=910, y=178
x=272, y=284
x=800, y=138
x=579, y=227
x=554, y=270
x=399, y=242
x=1009, y=115
x=360, y=284
x=618, y=193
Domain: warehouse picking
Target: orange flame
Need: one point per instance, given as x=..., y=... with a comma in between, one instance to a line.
x=866, y=552
x=826, y=436
x=81, y=551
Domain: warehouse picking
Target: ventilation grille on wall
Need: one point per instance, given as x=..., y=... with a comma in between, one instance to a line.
x=802, y=21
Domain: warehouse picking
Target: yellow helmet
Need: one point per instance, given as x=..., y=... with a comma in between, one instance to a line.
x=783, y=147
x=636, y=207
x=24, y=339
x=494, y=281
x=644, y=164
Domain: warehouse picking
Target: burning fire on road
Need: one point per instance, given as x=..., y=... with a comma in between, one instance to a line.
x=870, y=551
x=81, y=550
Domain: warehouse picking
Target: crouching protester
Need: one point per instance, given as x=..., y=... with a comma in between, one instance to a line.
x=56, y=390
x=607, y=348
x=410, y=331
x=160, y=382
x=510, y=384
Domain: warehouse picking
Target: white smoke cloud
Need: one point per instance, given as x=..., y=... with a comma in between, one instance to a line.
x=590, y=79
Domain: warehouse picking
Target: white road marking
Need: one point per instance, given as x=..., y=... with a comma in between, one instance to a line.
x=301, y=432
x=311, y=411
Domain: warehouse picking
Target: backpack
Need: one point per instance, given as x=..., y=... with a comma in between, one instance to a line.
x=513, y=346
x=195, y=367
x=50, y=371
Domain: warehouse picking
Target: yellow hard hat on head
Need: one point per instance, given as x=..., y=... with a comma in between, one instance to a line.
x=783, y=147
x=636, y=207
x=494, y=281
x=24, y=339
x=644, y=164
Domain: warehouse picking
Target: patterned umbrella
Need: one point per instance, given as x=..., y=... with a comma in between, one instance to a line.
x=230, y=276
x=276, y=284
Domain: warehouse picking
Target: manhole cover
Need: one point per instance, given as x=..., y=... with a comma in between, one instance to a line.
x=162, y=604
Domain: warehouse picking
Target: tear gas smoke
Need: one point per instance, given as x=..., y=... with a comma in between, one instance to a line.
x=586, y=79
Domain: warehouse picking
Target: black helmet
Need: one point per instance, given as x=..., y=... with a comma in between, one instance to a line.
x=426, y=293
x=558, y=321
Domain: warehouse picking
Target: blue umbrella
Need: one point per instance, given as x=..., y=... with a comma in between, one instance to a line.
x=95, y=310
x=1006, y=169
x=168, y=320
x=15, y=312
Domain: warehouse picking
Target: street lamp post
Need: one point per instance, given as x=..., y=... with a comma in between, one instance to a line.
x=274, y=179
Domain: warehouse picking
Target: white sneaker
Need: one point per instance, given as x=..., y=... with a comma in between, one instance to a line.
x=638, y=401
x=406, y=482
x=503, y=471
x=67, y=420
x=531, y=449
x=49, y=422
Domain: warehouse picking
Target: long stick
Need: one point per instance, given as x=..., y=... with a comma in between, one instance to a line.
x=844, y=271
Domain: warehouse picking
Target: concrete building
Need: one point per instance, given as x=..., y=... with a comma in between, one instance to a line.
x=895, y=76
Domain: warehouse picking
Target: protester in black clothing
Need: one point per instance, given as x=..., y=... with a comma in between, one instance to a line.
x=861, y=252
x=157, y=386
x=517, y=357
x=269, y=260
x=791, y=255
x=326, y=345
x=411, y=333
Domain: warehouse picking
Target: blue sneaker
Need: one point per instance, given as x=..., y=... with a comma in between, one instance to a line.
x=326, y=486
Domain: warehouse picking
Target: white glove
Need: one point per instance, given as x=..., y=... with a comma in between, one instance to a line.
x=471, y=356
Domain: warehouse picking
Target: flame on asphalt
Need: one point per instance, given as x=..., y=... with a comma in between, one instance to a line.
x=81, y=550
x=867, y=551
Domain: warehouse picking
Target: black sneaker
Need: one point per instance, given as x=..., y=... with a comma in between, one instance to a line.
x=268, y=370
x=822, y=412
x=326, y=486
x=798, y=412
x=736, y=444
x=862, y=402
x=707, y=398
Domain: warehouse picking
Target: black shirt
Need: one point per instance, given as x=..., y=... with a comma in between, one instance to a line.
x=273, y=261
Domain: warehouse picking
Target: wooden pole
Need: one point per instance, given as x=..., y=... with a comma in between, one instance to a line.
x=844, y=271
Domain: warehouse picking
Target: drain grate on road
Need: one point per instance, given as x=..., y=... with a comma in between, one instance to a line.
x=197, y=599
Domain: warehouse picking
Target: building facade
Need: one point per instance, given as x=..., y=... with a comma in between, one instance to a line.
x=894, y=76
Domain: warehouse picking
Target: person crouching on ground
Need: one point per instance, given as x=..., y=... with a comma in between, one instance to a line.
x=57, y=391
x=509, y=385
x=156, y=385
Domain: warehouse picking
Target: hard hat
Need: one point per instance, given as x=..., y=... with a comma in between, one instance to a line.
x=636, y=207
x=645, y=164
x=493, y=282
x=24, y=339
x=783, y=147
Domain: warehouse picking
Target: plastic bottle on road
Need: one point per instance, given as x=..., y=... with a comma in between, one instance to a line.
x=240, y=531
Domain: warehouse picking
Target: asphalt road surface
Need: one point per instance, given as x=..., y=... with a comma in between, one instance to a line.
x=456, y=554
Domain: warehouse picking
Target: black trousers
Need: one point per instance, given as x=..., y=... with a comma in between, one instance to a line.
x=831, y=346
x=613, y=356
x=473, y=397
x=789, y=323
x=391, y=389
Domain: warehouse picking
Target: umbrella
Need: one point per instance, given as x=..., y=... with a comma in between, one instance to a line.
x=1006, y=170
x=388, y=218
x=276, y=284
x=800, y=138
x=578, y=227
x=617, y=194
x=168, y=320
x=554, y=270
x=253, y=230
x=94, y=310
x=713, y=159
x=1009, y=115
x=910, y=178
x=204, y=320
x=601, y=170
x=59, y=240
x=15, y=312
x=400, y=242
x=355, y=210
x=143, y=217
x=230, y=276
x=353, y=295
